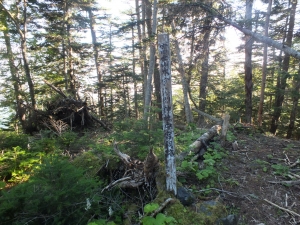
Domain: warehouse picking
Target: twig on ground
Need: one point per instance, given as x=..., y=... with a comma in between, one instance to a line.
x=284, y=209
x=286, y=182
x=169, y=200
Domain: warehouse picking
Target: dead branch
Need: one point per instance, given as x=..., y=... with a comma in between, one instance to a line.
x=284, y=209
x=56, y=89
x=124, y=157
x=287, y=182
x=219, y=121
x=161, y=208
x=295, y=163
x=114, y=183
x=201, y=142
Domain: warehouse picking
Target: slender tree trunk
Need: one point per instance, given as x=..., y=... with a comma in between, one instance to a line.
x=187, y=107
x=258, y=37
x=144, y=55
x=204, y=69
x=151, y=63
x=20, y=110
x=64, y=48
x=96, y=59
x=191, y=65
x=284, y=74
x=295, y=99
x=70, y=70
x=136, y=111
x=248, y=63
x=264, y=67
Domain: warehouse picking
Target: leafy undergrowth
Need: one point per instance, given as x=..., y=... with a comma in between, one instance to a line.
x=59, y=179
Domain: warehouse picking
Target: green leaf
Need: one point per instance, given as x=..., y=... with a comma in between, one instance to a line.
x=160, y=219
x=148, y=220
x=150, y=207
x=2, y=184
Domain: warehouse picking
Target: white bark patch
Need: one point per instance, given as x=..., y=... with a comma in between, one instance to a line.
x=167, y=110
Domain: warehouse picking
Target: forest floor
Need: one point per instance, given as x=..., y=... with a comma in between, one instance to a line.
x=254, y=179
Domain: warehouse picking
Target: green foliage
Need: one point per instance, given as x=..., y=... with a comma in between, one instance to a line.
x=212, y=156
x=136, y=136
x=280, y=169
x=230, y=136
x=150, y=207
x=101, y=222
x=58, y=193
x=160, y=219
x=9, y=139
x=16, y=164
x=46, y=145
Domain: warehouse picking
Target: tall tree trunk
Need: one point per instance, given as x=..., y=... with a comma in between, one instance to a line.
x=151, y=63
x=144, y=55
x=187, y=107
x=295, y=99
x=64, y=45
x=264, y=67
x=70, y=69
x=248, y=63
x=284, y=73
x=22, y=34
x=204, y=69
x=167, y=111
x=20, y=110
x=258, y=37
x=136, y=111
x=96, y=59
x=142, y=45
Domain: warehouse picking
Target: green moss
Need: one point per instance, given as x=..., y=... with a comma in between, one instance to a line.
x=205, y=213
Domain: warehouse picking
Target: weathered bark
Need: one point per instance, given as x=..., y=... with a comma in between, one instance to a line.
x=204, y=69
x=264, y=67
x=151, y=63
x=199, y=146
x=167, y=111
x=187, y=107
x=281, y=85
x=225, y=127
x=96, y=59
x=248, y=63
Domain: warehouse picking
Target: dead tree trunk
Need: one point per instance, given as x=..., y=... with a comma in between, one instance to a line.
x=167, y=110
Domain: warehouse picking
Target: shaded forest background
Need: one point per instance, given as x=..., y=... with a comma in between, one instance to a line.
x=109, y=61
x=76, y=78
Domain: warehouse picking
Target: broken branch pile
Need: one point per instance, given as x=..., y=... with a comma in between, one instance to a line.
x=68, y=113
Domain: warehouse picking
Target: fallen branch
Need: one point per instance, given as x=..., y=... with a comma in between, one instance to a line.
x=169, y=200
x=290, y=182
x=295, y=163
x=219, y=121
x=56, y=89
x=284, y=209
x=124, y=157
x=201, y=142
x=115, y=183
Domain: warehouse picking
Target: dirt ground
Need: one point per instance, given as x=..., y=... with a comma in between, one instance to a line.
x=252, y=185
